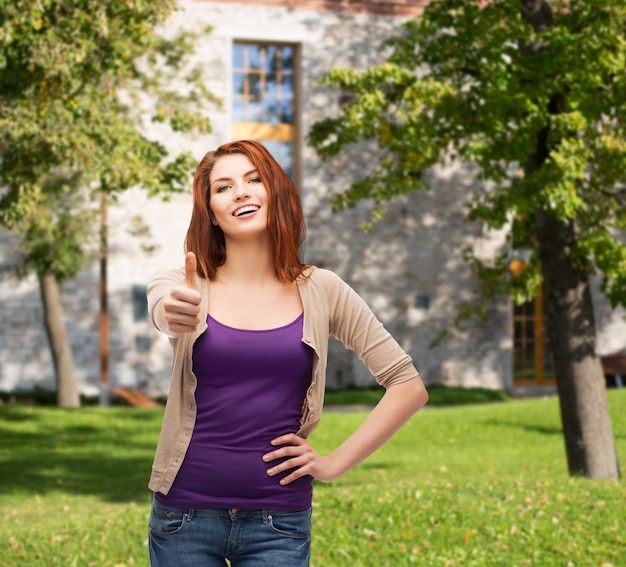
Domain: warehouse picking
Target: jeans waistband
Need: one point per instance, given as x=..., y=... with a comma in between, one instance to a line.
x=227, y=512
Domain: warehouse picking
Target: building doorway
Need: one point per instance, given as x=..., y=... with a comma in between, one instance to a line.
x=533, y=363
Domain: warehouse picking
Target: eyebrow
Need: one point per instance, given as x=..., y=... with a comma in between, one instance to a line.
x=222, y=179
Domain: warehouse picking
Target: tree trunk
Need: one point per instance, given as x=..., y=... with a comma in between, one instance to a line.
x=67, y=389
x=580, y=380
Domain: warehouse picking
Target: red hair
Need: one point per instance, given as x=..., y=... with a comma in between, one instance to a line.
x=285, y=220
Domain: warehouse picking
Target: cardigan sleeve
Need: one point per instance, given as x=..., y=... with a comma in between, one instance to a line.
x=355, y=325
x=159, y=288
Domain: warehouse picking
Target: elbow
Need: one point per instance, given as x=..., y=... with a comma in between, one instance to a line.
x=422, y=395
x=412, y=393
x=425, y=396
x=418, y=393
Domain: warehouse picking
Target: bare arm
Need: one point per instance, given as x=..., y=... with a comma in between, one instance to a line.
x=398, y=404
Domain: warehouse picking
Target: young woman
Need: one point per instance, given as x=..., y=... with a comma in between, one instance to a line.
x=249, y=326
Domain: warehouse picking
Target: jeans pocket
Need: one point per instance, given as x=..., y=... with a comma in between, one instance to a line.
x=166, y=521
x=291, y=524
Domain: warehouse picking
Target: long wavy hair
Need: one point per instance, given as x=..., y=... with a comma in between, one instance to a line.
x=285, y=220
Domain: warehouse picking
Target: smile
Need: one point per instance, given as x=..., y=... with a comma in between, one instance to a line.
x=248, y=209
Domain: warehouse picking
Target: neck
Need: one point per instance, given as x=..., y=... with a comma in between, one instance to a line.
x=247, y=262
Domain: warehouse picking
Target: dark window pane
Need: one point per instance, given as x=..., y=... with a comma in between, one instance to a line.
x=287, y=58
x=238, y=56
x=254, y=111
x=239, y=110
x=254, y=84
x=143, y=343
x=286, y=112
x=271, y=85
x=286, y=86
x=238, y=83
x=270, y=58
x=254, y=56
x=271, y=112
x=140, y=303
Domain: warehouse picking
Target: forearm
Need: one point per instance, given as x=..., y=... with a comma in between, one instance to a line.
x=397, y=405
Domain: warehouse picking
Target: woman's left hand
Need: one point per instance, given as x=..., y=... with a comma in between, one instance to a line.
x=300, y=456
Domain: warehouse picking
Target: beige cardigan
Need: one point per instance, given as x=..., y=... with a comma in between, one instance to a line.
x=331, y=307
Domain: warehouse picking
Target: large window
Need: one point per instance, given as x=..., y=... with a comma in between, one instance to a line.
x=263, y=106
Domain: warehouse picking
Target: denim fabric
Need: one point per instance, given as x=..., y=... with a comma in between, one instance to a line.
x=247, y=538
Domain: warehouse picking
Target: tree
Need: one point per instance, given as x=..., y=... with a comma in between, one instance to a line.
x=78, y=81
x=514, y=84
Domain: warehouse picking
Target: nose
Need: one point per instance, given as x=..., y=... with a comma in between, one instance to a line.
x=241, y=192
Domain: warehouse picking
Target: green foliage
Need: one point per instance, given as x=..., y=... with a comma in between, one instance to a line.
x=78, y=81
x=475, y=82
x=473, y=486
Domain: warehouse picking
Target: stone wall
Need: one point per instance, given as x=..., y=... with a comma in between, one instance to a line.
x=409, y=268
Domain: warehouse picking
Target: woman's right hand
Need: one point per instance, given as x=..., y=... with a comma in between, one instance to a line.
x=182, y=306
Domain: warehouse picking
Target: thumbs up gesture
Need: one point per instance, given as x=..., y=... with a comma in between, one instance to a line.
x=190, y=271
x=182, y=306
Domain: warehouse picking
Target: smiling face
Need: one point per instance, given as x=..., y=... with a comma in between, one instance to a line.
x=276, y=216
x=237, y=197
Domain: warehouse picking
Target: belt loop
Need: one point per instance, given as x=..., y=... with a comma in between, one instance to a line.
x=266, y=516
x=190, y=514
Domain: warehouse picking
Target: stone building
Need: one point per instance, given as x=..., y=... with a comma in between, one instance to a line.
x=264, y=60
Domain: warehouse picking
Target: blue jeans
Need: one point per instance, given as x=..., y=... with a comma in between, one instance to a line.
x=247, y=538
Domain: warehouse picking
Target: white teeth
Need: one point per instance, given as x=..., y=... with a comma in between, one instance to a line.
x=244, y=210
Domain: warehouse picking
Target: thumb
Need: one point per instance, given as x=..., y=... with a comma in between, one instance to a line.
x=190, y=271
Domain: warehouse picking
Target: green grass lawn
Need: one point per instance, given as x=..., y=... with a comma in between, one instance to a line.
x=478, y=485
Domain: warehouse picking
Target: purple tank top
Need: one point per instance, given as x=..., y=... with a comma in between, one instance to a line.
x=251, y=387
